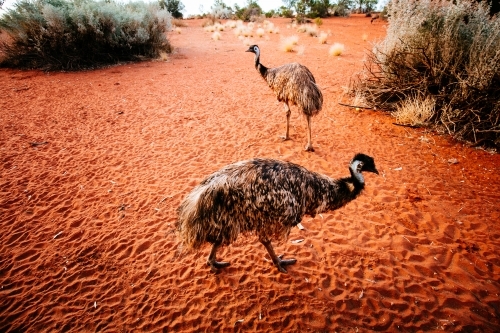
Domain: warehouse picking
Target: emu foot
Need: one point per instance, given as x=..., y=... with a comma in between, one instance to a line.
x=284, y=262
x=216, y=265
x=309, y=147
x=284, y=137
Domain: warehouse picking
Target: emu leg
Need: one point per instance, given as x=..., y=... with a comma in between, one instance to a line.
x=309, y=146
x=215, y=265
x=278, y=262
x=288, y=112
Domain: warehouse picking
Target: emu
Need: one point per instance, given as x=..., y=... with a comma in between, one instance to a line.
x=293, y=84
x=263, y=197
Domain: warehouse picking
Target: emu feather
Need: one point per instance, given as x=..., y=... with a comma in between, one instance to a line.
x=263, y=197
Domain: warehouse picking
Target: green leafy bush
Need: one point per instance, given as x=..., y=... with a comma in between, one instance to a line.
x=442, y=50
x=70, y=35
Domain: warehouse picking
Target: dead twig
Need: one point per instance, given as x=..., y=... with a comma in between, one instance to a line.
x=358, y=107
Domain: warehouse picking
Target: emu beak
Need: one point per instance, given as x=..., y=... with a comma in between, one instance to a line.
x=375, y=171
x=249, y=50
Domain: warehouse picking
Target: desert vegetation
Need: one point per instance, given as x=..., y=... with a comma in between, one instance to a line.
x=442, y=52
x=67, y=35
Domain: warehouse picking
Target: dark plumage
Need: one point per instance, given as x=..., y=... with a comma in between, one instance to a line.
x=264, y=197
x=293, y=84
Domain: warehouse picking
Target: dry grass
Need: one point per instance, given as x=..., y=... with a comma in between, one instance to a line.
x=163, y=56
x=322, y=38
x=415, y=111
x=178, y=30
x=364, y=37
x=178, y=23
x=216, y=35
x=288, y=43
x=336, y=49
x=260, y=32
x=209, y=28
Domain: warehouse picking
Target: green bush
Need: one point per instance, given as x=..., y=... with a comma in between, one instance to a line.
x=447, y=51
x=71, y=35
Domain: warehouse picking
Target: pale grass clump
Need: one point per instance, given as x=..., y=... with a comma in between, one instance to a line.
x=260, y=32
x=238, y=31
x=248, y=42
x=209, y=28
x=178, y=23
x=178, y=30
x=216, y=35
x=288, y=43
x=336, y=49
x=322, y=38
x=231, y=24
x=358, y=100
x=312, y=30
x=219, y=27
x=415, y=111
x=364, y=37
x=302, y=28
x=163, y=56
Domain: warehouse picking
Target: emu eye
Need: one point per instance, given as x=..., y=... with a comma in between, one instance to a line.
x=255, y=49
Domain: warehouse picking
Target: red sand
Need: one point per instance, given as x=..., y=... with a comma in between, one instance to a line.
x=87, y=218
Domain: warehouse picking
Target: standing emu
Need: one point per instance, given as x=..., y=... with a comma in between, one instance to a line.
x=264, y=197
x=293, y=84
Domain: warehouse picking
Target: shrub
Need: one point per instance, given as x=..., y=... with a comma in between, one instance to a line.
x=445, y=51
x=59, y=34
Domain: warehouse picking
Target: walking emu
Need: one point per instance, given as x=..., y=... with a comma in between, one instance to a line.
x=293, y=84
x=264, y=197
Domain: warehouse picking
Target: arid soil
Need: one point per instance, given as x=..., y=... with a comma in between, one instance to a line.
x=94, y=165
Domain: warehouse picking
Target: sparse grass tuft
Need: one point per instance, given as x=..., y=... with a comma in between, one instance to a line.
x=364, y=37
x=288, y=43
x=178, y=23
x=216, y=35
x=260, y=32
x=336, y=49
x=415, y=111
x=209, y=28
x=318, y=21
x=322, y=38
x=178, y=30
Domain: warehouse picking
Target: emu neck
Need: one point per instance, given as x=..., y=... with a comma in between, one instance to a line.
x=357, y=177
x=261, y=68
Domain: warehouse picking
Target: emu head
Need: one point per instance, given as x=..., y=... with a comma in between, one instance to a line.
x=254, y=49
x=362, y=162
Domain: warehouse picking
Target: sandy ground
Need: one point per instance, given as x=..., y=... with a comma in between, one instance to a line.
x=94, y=165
